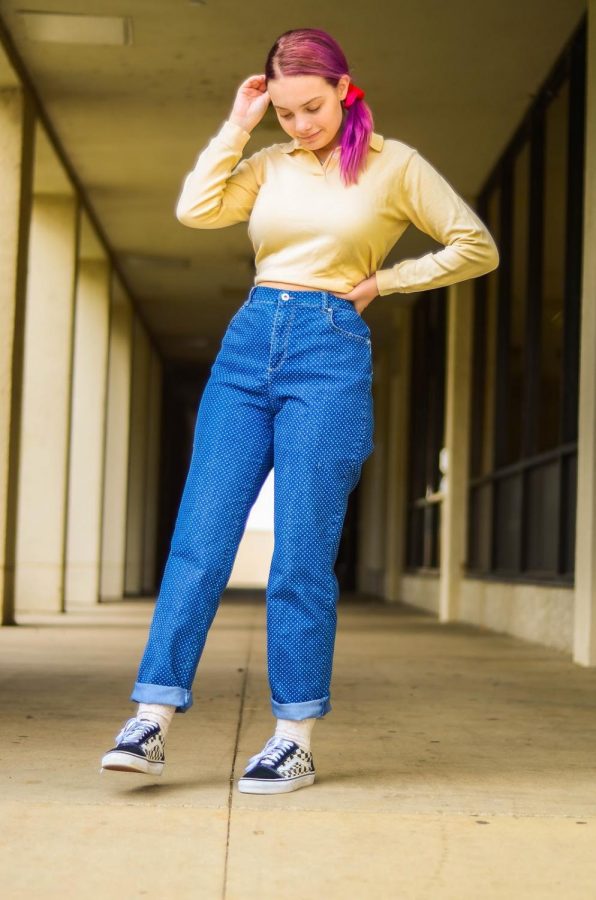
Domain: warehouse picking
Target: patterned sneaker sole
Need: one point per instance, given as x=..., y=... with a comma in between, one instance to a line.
x=128, y=762
x=260, y=786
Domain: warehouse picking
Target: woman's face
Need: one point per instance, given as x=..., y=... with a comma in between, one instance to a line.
x=308, y=108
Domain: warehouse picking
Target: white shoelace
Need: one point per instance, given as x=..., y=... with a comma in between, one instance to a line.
x=271, y=753
x=134, y=729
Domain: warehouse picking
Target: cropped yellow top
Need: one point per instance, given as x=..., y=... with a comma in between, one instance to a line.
x=308, y=228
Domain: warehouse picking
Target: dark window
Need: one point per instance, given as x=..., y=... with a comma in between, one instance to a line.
x=523, y=460
x=427, y=413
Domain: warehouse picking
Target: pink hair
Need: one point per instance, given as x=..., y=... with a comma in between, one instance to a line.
x=311, y=51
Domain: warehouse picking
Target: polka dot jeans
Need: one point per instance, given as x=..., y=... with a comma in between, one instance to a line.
x=290, y=389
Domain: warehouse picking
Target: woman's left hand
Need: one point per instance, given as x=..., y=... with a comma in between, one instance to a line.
x=363, y=294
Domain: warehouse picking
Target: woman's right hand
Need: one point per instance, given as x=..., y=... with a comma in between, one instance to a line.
x=252, y=100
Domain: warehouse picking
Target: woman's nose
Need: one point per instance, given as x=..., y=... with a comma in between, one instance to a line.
x=304, y=130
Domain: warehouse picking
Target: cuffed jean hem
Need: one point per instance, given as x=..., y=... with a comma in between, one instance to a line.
x=162, y=693
x=306, y=710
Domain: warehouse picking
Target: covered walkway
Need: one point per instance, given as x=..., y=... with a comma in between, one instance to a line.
x=459, y=759
x=456, y=763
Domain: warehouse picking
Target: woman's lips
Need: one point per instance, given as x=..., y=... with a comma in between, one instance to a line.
x=311, y=137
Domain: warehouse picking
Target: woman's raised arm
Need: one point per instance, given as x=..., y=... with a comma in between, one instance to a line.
x=222, y=187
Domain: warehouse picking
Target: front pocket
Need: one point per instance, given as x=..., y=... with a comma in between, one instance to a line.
x=349, y=322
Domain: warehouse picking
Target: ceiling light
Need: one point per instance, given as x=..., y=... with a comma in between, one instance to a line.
x=70, y=28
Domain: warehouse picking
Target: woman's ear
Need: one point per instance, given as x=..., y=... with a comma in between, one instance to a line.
x=343, y=85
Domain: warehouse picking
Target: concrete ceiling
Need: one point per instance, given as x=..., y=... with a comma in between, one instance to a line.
x=452, y=79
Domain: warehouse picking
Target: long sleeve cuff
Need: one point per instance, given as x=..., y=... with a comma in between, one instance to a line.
x=388, y=281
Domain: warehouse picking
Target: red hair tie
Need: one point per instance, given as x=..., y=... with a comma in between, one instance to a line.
x=354, y=93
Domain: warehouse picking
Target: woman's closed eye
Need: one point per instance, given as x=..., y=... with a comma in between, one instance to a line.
x=308, y=110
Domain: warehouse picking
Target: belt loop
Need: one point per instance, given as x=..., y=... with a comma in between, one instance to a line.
x=324, y=299
x=251, y=292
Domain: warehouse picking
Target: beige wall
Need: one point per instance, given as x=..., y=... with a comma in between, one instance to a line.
x=16, y=174
x=45, y=422
x=115, y=474
x=87, y=433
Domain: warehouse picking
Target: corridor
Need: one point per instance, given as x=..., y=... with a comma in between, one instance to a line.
x=456, y=763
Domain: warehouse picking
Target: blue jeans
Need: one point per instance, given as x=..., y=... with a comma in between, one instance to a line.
x=290, y=388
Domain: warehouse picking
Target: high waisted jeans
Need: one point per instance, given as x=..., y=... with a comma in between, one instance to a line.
x=290, y=388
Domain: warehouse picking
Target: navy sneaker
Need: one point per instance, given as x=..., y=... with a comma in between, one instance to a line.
x=140, y=747
x=282, y=765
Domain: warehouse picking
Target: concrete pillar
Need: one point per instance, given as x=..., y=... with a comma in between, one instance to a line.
x=46, y=403
x=152, y=473
x=115, y=476
x=87, y=436
x=16, y=174
x=584, y=643
x=398, y=415
x=137, y=471
x=454, y=505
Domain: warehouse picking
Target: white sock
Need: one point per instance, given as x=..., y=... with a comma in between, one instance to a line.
x=296, y=730
x=157, y=712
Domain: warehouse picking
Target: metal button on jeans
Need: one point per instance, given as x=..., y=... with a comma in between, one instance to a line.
x=285, y=296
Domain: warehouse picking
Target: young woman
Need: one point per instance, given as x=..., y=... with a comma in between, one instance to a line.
x=290, y=387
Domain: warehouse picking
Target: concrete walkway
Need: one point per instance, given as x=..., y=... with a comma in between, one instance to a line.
x=455, y=763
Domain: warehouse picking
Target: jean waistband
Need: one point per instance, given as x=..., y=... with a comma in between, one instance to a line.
x=265, y=294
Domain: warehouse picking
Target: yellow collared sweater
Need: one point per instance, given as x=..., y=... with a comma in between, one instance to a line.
x=308, y=228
